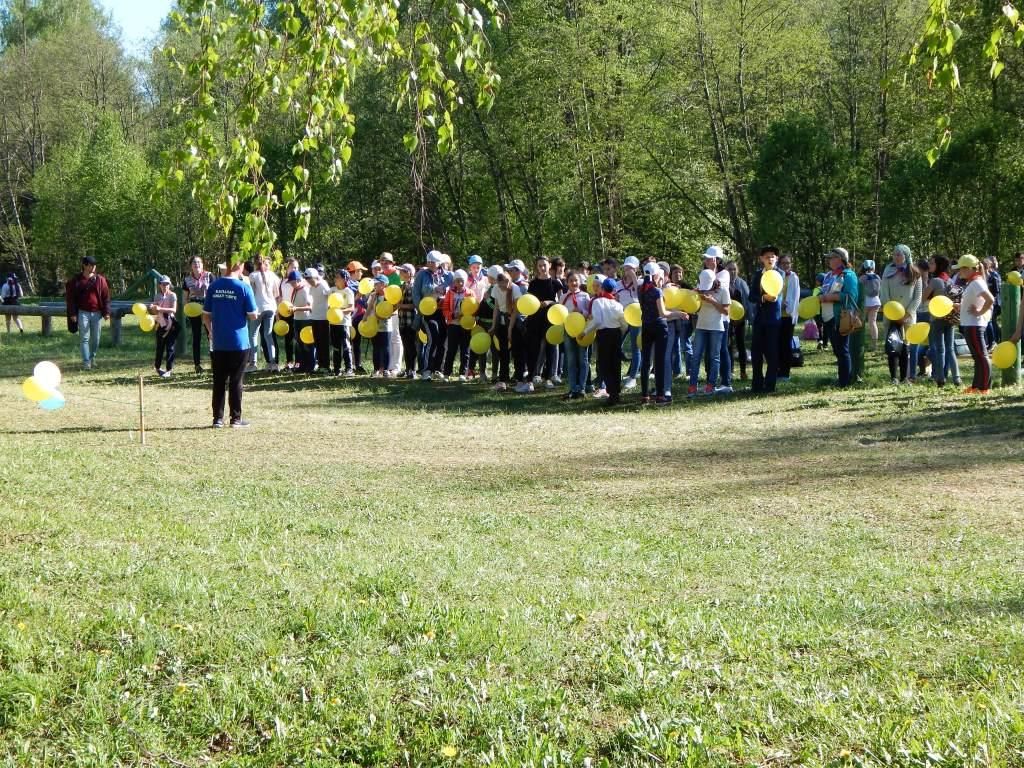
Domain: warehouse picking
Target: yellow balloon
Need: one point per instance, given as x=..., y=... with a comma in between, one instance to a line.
x=35, y=391
x=281, y=328
x=422, y=336
x=586, y=341
x=918, y=333
x=940, y=306
x=634, y=315
x=383, y=310
x=557, y=314
x=139, y=309
x=366, y=286
x=284, y=309
x=368, y=327
x=480, y=343
x=736, y=312
x=809, y=307
x=147, y=323
x=467, y=322
x=1004, y=355
x=496, y=342
x=894, y=311
x=193, y=309
x=690, y=301
x=334, y=315
x=673, y=296
x=1014, y=278
x=470, y=306
x=428, y=306
x=528, y=304
x=351, y=332
x=393, y=293
x=336, y=300
x=554, y=335
x=771, y=283
x=306, y=335
x=575, y=323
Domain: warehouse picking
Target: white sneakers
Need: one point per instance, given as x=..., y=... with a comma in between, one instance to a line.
x=501, y=386
x=549, y=384
x=629, y=383
x=524, y=388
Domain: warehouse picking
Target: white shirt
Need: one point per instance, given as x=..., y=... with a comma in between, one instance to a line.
x=627, y=296
x=501, y=299
x=724, y=280
x=301, y=297
x=577, y=302
x=791, y=290
x=605, y=313
x=288, y=291
x=708, y=316
x=319, y=293
x=972, y=298
x=265, y=287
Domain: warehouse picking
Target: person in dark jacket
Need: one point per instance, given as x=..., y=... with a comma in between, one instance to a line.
x=88, y=301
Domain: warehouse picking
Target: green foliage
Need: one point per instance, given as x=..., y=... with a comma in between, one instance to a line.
x=802, y=185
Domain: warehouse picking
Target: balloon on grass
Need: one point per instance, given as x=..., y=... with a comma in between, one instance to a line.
x=281, y=327
x=554, y=335
x=634, y=315
x=47, y=374
x=35, y=391
x=575, y=323
x=54, y=403
x=480, y=343
x=306, y=335
x=940, y=306
x=1004, y=355
x=428, y=306
x=193, y=309
x=918, y=333
x=894, y=311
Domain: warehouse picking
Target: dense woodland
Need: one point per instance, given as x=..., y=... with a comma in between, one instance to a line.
x=622, y=126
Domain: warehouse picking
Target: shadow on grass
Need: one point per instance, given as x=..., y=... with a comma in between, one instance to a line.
x=103, y=430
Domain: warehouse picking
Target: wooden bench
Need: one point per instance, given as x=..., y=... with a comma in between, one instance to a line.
x=48, y=311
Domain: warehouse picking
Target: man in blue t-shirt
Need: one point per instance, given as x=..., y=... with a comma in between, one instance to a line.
x=227, y=310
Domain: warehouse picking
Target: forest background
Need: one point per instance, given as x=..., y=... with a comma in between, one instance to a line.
x=621, y=127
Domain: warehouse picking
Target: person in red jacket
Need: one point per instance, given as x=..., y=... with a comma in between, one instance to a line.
x=88, y=300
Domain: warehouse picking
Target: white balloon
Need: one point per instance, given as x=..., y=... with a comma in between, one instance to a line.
x=47, y=374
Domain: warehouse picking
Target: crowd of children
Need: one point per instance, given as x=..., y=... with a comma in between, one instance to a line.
x=522, y=329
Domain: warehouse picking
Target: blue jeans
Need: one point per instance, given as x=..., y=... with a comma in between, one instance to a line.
x=725, y=358
x=89, y=334
x=674, y=351
x=577, y=365
x=632, y=336
x=942, y=351
x=712, y=342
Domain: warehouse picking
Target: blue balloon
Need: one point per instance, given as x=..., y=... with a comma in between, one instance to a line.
x=55, y=403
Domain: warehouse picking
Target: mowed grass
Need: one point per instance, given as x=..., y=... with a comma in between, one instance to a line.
x=433, y=575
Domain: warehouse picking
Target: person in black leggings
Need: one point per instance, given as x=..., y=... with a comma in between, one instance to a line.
x=194, y=289
x=540, y=354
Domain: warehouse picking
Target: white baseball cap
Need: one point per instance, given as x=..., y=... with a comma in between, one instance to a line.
x=651, y=269
x=460, y=274
x=714, y=252
x=433, y=257
x=516, y=264
x=493, y=271
x=631, y=261
x=707, y=279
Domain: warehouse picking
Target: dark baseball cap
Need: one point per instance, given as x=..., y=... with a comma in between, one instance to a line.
x=89, y=260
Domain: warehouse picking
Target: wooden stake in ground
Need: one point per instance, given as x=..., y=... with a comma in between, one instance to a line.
x=142, y=413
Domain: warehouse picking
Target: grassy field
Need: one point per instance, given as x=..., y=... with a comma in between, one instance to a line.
x=415, y=574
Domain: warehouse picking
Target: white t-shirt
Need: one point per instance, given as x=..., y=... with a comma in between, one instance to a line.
x=577, y=302
x=265, y=287
x=708, y=316
x=288, y=291
x=319, y=293
x=628, y=295
x=972, y=298
x=501, y=299
x=301, y=297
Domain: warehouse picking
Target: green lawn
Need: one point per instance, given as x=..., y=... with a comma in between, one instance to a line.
x=416, y=574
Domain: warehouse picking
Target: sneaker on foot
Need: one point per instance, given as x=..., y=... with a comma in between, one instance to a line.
x=895, y=382
x=199, y=369
x=725, y=389
x=629, y=383
x=239, y=423
x=536, y=380
x=463, y=378
x=691, y=391
x=600, y=394
x=556, y=379
x=425, y=376
x=709, y=390
x=524, y=388
x=501, y=386
x=549, y=384
x=662, y=400
x=165, y=374
x=645, y=399
x=217, y=423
